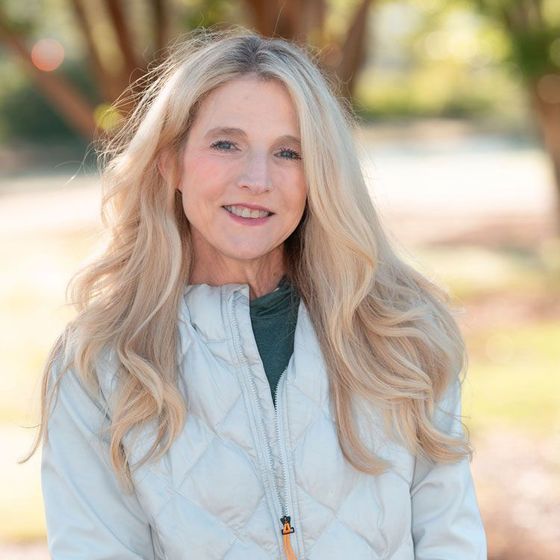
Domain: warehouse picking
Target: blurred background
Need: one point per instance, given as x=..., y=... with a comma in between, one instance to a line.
x=459, y=138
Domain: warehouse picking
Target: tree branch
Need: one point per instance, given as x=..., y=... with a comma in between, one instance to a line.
x=161, y=24
x=353, y=49
x=124, y=39
x=109, y=90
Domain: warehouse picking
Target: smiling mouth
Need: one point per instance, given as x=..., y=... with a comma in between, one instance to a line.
x=243, y=212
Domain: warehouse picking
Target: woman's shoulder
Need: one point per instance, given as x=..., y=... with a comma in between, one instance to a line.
x=97, y=383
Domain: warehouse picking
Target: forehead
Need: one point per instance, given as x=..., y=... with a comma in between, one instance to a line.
x=248, y=101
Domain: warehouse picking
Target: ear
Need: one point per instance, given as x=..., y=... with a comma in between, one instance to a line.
x=165, y=166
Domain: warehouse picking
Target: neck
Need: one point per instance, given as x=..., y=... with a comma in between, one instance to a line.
x=262, y=274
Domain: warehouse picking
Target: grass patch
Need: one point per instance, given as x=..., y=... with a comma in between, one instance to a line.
x=513, y=378
x=471, y=271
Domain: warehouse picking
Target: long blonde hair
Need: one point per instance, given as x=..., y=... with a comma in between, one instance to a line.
x=386, y=331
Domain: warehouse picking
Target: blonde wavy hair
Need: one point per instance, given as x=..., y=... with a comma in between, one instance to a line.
x=386, y=331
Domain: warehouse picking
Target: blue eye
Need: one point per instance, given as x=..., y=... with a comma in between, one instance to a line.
x=292, y=154
x=219, y=145
x=227, y=145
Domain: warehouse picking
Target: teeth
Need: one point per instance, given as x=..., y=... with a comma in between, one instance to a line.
x=246, y=213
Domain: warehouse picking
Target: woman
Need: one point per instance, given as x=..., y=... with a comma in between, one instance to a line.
x=253, y=373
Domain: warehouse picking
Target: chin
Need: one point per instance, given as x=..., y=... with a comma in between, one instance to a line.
x=246, y=253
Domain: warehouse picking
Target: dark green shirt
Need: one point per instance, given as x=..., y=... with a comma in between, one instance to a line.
x=274, y=318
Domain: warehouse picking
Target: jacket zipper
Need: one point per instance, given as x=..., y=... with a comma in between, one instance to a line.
x=285, y=519
x=287, y=528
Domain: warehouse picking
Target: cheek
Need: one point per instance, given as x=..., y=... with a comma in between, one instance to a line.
x=203, y=181
x=299, y=194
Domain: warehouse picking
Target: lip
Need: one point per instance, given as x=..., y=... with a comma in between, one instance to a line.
x=249, y=206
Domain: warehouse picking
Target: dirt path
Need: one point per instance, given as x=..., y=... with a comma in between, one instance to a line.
x=519, y=495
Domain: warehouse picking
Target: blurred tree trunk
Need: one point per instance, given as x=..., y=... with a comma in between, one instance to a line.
x=304, y=21
x=548, y=118
x=301, y=20
x=532, y=29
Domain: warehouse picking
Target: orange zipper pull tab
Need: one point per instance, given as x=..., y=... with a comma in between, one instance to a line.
x=287, y=530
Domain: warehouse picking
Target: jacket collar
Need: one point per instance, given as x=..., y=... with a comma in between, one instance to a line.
x=205, y=315
x=205, y=307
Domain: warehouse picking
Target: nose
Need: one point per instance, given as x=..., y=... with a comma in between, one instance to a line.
x=255, y=175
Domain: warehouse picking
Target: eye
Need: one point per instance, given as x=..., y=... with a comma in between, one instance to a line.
x=288, y=153
x=222, y=145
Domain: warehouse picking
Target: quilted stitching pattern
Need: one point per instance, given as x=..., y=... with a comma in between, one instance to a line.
x=329, y=510
x=208, y=496
x=353, y=505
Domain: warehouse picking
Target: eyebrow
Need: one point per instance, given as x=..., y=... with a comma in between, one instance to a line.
x=227, y=130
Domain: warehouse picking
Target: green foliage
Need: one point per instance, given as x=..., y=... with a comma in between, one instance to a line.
x=533, y=53
x=25, y=113
x=533, y=28
x=22, y=17
x=450, y=62
x=513, y=378
x=439, y=92
x=210, y=13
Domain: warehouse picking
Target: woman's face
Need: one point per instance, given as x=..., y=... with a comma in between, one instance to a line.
x=242, y=183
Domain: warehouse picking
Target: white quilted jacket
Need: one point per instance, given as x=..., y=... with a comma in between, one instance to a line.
x=240, y=465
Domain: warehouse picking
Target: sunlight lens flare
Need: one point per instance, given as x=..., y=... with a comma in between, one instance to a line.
x=107, y=117
x=47, y=54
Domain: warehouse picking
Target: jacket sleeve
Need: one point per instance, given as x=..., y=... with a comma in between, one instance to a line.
x=87, y=514
x=446, y=521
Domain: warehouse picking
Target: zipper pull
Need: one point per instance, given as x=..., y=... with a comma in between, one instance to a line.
x=287, y=530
